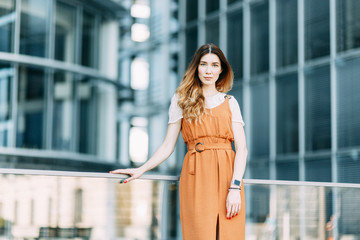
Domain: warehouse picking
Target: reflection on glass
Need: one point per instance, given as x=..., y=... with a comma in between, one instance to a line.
x=348, y=104
x=65, y=30
x=212, y=32
x=287, y=131
x=63, y=110
x=139, y=74
x=139, y=140
x=191, y=42
x=212, y=5
x=191, y=10
x=7, y=19
x=140, y=32
x=86, y=116
x=348, y=24
x=235, y=43
x=318, y=169
x=317, y=109
x=259, y=37
x=317, y=29
x=260, y=129
x=33, y=27
x=286, y=32
x=88, y=40
x=31, y=104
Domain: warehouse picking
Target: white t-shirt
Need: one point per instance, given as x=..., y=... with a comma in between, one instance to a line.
x=175, y=112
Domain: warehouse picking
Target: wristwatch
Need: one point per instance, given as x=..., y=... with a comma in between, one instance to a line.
x=236, y=182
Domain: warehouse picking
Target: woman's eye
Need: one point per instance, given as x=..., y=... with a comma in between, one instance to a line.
x=202, y=64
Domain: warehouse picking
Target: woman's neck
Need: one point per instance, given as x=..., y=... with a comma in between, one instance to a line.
x=209, y=91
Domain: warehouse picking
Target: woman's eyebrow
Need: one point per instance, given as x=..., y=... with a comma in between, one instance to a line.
x=211, y=63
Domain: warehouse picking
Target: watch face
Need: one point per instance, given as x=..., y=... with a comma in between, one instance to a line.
x=237, y=182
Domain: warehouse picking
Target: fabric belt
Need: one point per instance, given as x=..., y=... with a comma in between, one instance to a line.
x=197, y=148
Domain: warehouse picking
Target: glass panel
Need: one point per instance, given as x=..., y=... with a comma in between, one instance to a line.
x=260, y=120
x=348, y=105
x=33, y=27
x=6, y=73
x=235, y=43
x=212, y=5
x=317, y=29
x=191, y=10
x=317, y=109
x=318, y=169
x=86, y=116
x=287, y=170
x=259, y=37
x=212, y=32
x=287, y=131
x=348, y=24
x=191, y=43
x=233, y=1
x=259, y=168
x=349, y=167
x=63, y=110
x=7, y=19
x=287, y=32
x=31, y=102
x=65, y=32
x=88, y=40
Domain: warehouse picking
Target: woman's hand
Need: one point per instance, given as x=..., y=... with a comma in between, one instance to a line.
x=133, y=172
x=233, y=203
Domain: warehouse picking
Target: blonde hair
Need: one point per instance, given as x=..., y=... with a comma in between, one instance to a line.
x=190, y=97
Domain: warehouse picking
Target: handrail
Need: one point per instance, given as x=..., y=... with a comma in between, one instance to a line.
x=172, y=178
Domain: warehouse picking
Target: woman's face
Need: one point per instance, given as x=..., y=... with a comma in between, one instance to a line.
x=209, y=69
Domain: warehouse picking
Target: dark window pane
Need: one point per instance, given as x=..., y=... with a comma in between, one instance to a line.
x=233, y=1
x=260, y=120
x=212, y=32
x=318, y=169
x=317, y=29
x=7, y=14
x=191, y=10
x=33, y=27
x=286, y=30
x=63, y=110
x=6, y=75
x=287, y=131
x=349, y=167
x=212, y=5
x=287, y=170
x=348, y=104
x=259, y=38
x=191, y=43
x=259, y=169
x=259, y=203
x=65, y=32
x=235, y=43
x=88, y=40
x=348, y=24
x=317, y=109
x=31, y=104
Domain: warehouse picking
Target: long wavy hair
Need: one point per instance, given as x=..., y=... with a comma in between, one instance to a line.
x=190, y=96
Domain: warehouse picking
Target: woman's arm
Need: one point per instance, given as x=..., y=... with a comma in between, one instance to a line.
x=160, y=155
x=233, y=201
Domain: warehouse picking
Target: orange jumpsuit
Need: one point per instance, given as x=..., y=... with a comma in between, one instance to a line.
x=205, y=178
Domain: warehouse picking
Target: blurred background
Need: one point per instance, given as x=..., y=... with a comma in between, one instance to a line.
x=85, y=86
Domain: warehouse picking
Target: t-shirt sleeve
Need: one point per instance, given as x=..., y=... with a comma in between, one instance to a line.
x=175, y=112
x=235, y=111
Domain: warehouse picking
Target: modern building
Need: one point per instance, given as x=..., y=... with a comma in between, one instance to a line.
x=87, y=86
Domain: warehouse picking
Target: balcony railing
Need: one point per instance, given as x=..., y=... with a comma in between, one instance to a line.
x=39, y=204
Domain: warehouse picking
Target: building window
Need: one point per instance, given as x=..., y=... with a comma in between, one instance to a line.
x=287, y=169
x=287, y=131
x=317, y=109
x=7, y=16
x=212, y=31
x=140, y=77
x=33, y=27
x=286, y=33
x=235, y=43
x=31, y=102
x=260, y=120
x=88, y=40
x=139, y=140
x=318, y=169
x=6, y=74
x=348, y=104
x=212, y=5
x=191, y=43
x=348, y=24
x=65, y=32
x=191, y=10
x=317, y=29
x=259, y=37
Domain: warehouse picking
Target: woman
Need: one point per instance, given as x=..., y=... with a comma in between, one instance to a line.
x=211, y=192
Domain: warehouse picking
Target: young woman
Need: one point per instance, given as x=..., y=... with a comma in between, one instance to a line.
x=212, y=201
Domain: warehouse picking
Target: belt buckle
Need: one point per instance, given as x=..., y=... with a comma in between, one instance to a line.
x=198, y=149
